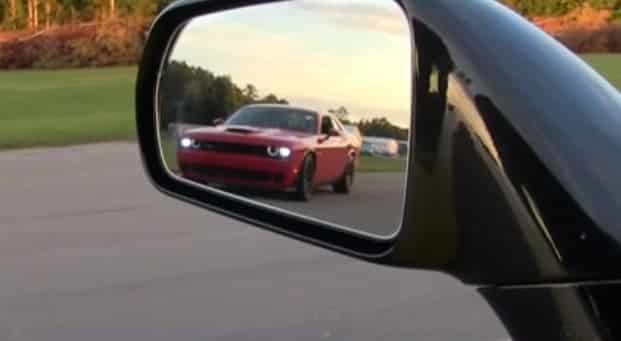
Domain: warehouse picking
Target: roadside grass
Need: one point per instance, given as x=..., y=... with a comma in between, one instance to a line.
x=609, y=65
x=376, y=164
x=64, y=107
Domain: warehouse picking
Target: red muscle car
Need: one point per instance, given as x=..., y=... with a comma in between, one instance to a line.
x=271, y=147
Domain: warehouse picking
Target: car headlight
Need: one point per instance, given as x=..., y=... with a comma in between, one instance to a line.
x=187, y=142
x=284, y=152
x=279, y=152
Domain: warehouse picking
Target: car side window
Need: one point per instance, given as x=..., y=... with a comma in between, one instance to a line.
x=326, y=124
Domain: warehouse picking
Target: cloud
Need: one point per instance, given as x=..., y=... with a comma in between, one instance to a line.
x=365, y=15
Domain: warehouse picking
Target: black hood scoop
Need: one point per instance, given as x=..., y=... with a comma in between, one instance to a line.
x=241, y=130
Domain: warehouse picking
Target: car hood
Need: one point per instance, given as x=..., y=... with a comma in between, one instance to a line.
x=246, y=134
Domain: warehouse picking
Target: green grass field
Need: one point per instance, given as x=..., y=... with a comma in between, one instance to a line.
x=371, y=164
x=609, y=65
x=66, y=106
x=55, y=108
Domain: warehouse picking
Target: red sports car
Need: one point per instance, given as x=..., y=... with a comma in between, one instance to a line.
x=271, y=147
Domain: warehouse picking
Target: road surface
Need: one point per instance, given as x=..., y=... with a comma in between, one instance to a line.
x=89, y=251
x=375, y=204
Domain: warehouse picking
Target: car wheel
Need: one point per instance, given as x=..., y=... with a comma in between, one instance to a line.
x=346, y=181
x=304, y=186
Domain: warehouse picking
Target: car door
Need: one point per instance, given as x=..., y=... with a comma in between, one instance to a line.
x=327, y=152
x=342, y=145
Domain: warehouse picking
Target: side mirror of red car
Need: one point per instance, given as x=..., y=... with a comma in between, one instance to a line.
x=333, y=133
x=218, y=121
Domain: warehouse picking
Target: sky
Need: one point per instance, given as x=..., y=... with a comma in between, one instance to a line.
x=319, y=54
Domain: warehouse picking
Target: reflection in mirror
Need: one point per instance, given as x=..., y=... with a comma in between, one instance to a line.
x=300, y=105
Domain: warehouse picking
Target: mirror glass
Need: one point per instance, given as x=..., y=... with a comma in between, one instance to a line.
x=301, y=105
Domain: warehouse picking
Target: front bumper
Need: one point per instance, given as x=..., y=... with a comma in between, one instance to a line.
x=239, y=169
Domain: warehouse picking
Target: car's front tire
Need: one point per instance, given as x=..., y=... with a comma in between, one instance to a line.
x=305, y=183
x=346, y=181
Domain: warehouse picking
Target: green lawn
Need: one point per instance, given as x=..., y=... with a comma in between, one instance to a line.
x=45, y=108
x=66, y=106
x=370, y=164
x=608, y=65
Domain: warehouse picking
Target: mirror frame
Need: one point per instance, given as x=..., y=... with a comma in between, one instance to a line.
x=166, y=28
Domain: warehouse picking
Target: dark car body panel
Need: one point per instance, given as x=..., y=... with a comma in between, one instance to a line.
x=516, y=149
x=573, y=312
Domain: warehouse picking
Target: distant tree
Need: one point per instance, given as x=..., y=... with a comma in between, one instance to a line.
x=192, y=94
x=272, y=99
x=48, y=14
x=251, y=92
x=31, y=14
x=34, y=14
x=12, y=11
x=558, y=7
x=341, y=113
x=381, y=127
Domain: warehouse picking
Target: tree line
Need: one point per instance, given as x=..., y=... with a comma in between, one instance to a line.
x=533, y=8
x=378, y=126
x=52, y=34
x=112, y=32
x=192, y=94
x=195, y=95
x=42, y=14
x=382, y=127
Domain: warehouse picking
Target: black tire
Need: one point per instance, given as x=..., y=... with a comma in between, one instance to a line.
x=346, y=181
x=304, y=185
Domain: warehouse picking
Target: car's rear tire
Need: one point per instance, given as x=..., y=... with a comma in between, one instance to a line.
x=346, y=181
x=304, y=186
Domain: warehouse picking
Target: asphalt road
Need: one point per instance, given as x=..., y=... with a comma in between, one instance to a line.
x=89, y=251
x=379, y=196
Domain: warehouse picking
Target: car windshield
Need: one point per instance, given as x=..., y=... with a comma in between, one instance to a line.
x=272, y=117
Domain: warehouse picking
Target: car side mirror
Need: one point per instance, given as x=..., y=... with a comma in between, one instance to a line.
x=333, y=133
x=218, y=121
x=517, y=184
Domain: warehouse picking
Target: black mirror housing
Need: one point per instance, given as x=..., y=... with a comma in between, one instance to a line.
x=512, y=175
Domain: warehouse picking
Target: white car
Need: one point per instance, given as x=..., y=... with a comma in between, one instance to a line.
x=380, y=146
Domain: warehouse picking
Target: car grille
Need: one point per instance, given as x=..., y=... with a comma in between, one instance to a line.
x=231, y=173
x=234, y=148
